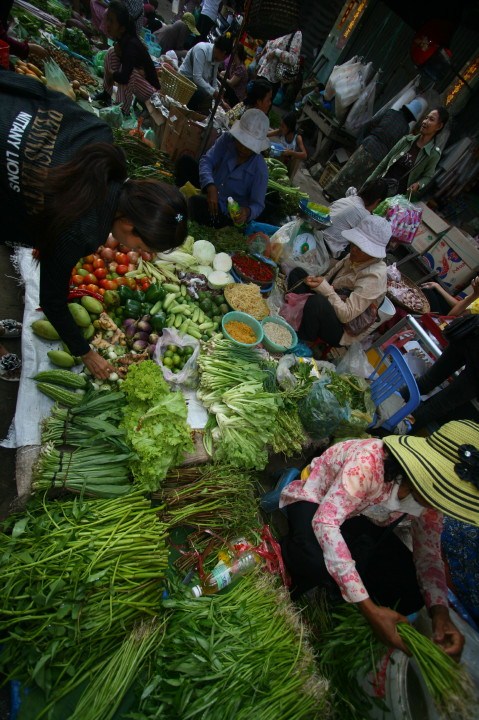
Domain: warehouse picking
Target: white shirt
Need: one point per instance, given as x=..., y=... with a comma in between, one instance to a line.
x=210, y=8
x=199, y=67
x=345, y=213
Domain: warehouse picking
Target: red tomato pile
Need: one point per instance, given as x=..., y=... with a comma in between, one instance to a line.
x=106, y=269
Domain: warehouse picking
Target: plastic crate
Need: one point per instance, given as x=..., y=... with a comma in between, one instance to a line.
x=4, y=54
x=329, y=172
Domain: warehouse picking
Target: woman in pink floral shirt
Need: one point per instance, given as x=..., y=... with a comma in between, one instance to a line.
x=352, y=492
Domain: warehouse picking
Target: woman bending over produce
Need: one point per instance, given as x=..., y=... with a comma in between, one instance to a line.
x=64, y=188
x=128, y=63
x=344, y=305
x=340, y=516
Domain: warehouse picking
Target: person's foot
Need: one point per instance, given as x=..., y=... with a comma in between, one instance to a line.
x=10, y=328
x=103, y=98
x=10, y=367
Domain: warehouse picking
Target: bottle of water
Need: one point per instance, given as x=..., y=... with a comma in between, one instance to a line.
x=234, y=210
x=225, y=572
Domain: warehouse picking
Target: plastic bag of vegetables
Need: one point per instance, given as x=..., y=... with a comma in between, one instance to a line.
x=57, y=80
x=177, y=356
x=320, y=412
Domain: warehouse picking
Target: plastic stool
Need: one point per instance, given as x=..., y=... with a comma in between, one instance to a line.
x=270, y=501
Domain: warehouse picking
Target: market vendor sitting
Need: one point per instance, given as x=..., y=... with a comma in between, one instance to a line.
x=340, y=516
x=344, y=305
x=233, y=167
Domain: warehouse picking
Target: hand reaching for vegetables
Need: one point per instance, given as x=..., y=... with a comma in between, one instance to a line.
x=445, y=633
x=212, y=199
x=98, y=366
x=383, y=621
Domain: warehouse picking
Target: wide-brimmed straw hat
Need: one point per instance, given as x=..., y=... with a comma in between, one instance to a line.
x=189, y=20
x=444, y=467
x=371, y=235
x=251, y=129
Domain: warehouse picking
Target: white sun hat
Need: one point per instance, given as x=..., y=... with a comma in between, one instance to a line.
x=371, y=235
x=251, y=129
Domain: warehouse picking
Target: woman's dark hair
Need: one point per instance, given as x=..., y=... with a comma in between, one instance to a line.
x=256, y=90
x=393, y=470
x=372, y=191
x=225, y=44
x=290, y=120
x=241, y=53
x=442, y=113
x=158, y=211
x=120, y=11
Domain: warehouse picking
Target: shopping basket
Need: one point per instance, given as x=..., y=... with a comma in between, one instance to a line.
x=176, y=85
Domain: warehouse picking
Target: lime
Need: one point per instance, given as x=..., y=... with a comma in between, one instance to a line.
x=224, y=308
x=180, y=351
x=171, y=348
x=219, y=300
x=167, y=362
x=169, y=354
x=176, y=360
x=188, y=350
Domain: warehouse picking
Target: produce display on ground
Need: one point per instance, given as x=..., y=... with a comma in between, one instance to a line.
x=139, y=579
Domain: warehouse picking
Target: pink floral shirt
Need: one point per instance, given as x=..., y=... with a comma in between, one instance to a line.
x=346, y=481
x=278, y=51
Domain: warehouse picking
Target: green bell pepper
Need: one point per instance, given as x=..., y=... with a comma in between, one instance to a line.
x=154, y=293
x=125, y=293
x=138, y=295
x=145, y=308
x=133, y=309
x=158, y=321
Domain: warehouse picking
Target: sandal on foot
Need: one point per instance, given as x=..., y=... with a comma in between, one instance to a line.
x=10, y=329
x=10, y=367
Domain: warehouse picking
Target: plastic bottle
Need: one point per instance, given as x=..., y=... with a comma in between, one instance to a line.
x=224, y=573
x=234, y=210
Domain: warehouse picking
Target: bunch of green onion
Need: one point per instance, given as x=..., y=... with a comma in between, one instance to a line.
x=235, y=656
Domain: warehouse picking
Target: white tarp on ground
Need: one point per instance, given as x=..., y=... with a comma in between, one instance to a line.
x=32, y=406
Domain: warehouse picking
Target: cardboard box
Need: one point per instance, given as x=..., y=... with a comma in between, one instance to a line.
x=183, y=133
x=455, y=257
x=159, y=122
x=431, y=229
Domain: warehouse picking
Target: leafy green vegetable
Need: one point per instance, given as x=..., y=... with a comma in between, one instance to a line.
x=76, y=41
x=154, y=420
x=236, y=655
x=227, y=239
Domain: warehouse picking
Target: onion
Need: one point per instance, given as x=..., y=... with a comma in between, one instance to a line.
x=107, y=254
x=112, y=266
x=139, y=345
x=131, y=267
x=133, y=256
x=111, y=242
x=144, y=326
x=151, y=349
x=143, y=336
x=130, y=331
x=146, y=255
x=154, y=337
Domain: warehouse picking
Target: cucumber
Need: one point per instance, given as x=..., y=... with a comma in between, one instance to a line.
x=171, y=288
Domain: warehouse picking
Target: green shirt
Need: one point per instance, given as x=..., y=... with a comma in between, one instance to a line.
x=424, y=168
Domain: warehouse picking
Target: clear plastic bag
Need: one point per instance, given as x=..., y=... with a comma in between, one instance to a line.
x=188, y=375
x=57, y=80
x=355, y=362
x=320, y=411
x=284, y=376
x=112, y=115
x=298, y=244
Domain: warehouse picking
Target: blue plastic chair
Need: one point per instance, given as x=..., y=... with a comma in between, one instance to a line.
x=395, y=377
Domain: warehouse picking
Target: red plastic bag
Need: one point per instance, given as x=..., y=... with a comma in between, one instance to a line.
x=293, y=308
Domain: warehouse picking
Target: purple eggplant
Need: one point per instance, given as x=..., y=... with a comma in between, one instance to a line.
x=143, y=336
x=139, y=345
x=131, y=331
x=144, y=325
x=151, y=348
x=154, y=337
x=128, y=322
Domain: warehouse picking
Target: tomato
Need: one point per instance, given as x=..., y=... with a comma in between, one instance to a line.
x=144, y=284
x=133, y=257
x=131, y=283
x=121, y=258
x=122, y=269
x=89, y=259
x=121, y=281
x=82, y=287
x=146, y=255
x=82, y=272
x=90, y=279
x=123, y=249
x=109, y=284
x=107, y=254
x=88, y=267
x=101, y=291
x=92, y=288
x=98, y=263
x=100, y=273
x=77, y=279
